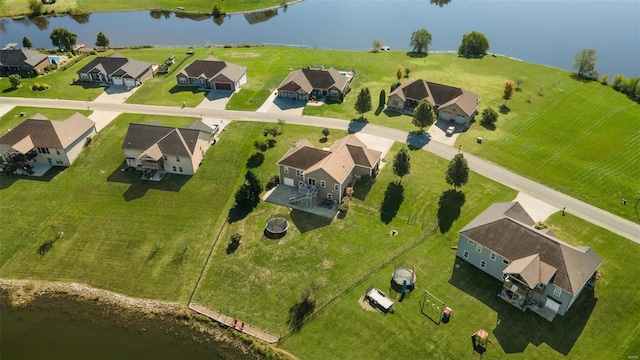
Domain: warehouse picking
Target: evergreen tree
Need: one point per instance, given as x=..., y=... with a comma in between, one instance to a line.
x=102, y=40
x=363, y=103
x=402, y=163
x=26, y=42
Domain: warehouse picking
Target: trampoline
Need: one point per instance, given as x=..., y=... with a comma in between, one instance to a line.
x=403, y=279
x=276, y=228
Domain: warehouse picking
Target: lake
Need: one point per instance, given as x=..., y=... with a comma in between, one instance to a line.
x=545, y=32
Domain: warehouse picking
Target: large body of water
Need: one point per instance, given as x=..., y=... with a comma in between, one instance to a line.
x=539, y=31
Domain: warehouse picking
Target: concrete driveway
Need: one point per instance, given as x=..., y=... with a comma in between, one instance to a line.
x=437, y=132
x=276, y=105
x=115, y=94
x=216, y=100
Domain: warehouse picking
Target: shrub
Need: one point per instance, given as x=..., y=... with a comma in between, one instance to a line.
x=273, y=181
x=40, y=87
x=51, y=67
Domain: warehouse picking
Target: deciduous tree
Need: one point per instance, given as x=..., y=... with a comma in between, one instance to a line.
x=63, y=39
x=325, y=132
x=508, y=92
x=377, y=45
x=457, y=173
x=400, y=72
x=489, y=116
x=14, y=79
x=363, y=103
x=474, y=44
x=26, y=42
x=423, y=115
x=102, y=40
x=402, y=163
x=420, y=40
x=585, y=61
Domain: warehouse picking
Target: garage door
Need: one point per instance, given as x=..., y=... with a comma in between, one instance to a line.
x=223, y=86
x=130, y=82
x=117, y=81
x=288, y=181
x=445, y=115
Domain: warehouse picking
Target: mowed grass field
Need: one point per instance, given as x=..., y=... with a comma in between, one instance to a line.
x=21, y=7
x=130, y=236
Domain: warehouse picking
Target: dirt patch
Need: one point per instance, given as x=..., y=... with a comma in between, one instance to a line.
x=365, y=304
x=242, y=55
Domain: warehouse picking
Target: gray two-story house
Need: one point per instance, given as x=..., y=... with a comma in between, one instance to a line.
x=539, y=272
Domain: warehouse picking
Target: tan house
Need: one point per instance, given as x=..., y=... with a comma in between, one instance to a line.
x=313, y=83
x=538, y=271
x=40, y=140
x=326, y=173
x=115, y=70
x=449, y=103
x=14, y=61
x=156, y=149
x=212, y=73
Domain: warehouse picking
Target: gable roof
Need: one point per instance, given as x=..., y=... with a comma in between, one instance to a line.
x=211, y=67
x=156, y=140
x=338, y=161
x=13, y=57
x=437, y=94
x=519, y=241
x=38, y=131
x=116, y=65
x=309, y=79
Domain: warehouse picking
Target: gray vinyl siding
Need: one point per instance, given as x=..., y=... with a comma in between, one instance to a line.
x=493, y=268
x=565, y=298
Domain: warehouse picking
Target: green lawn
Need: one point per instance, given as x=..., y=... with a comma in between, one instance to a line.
x=21, y=7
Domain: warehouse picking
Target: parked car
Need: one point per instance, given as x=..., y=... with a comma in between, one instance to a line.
x=450, y=130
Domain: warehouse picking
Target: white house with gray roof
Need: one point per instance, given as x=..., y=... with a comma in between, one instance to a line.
x=539, y=272
x=211, y=73
x=115, y=70
x=308, y=83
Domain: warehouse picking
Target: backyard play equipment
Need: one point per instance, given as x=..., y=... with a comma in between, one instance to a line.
x=403, y=280
x=379, y=300
x=276, y=228
x=479, y=341
x=432, y=307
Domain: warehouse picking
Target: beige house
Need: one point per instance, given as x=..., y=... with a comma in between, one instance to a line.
x=309, y=83
x=157, y=149
x=538, y=271
x=13, y=61
x=212, y=73
x=449, y=103
x=325, y=173
x=40, y=140
x=115, y=70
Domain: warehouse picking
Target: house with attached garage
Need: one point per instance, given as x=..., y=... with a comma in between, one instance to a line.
x=156, y=149
x=326, y=173
x=538, y=271
x=15, y=61
x=115, y=70
x=212, y=73
x=449, y=103
x=314, y=83
x=39, y=140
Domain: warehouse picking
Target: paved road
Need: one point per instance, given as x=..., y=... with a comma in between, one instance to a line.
x=573, y=206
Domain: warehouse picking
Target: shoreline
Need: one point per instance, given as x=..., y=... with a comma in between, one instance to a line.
x=85, y=303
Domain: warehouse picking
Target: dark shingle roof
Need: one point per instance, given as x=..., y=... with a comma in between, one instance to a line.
x=18, y=57
x=49, y=134
x=171, y=141
x=304, y=158
x=108, y=63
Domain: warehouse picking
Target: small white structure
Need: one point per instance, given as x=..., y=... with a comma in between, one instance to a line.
x=378, y=298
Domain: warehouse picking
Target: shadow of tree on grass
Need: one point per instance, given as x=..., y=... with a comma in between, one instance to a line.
x=449, y=206
x=393, y=198
x=300, y=311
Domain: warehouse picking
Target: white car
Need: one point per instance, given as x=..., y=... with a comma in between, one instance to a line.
x=450, y=130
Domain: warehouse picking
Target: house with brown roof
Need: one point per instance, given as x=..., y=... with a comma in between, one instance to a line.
x=326, y=173
x=156, y=149
x=538, y=271
x=314, y=83
x=14, y=61
x=212, y=73
x=115, y=70
x=43, y=141
x=449, y=103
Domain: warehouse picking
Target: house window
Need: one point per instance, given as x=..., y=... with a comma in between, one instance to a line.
x=479, y=248
x=42, y=150
x=298, y=172
x=50, y=162
x=57, y=151
x=493, y=256
x=334, y=92
x=311, y=181
x=322, y=183
x=165, y=157
x=182, y=80
x=540, y=285
x=300, y=184
x=506, y=262
x=329, y=196
x=286, y=170
x=58, y=161
x=336, y=186
x=84, y=76
x=557, y=291
x=470, y=241
x=174, y=169
x=177, y=159
x=465, y=254
x=483, y=264
x=180, y=168
x=395, y=102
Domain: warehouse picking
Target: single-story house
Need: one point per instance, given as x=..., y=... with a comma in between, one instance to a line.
x=449, y=103
x=116, y=70
x=538, y=271
x=156, y=149
x=309, y=83
x=212, y=73
x=328, y=172
x=14, y=61
x=40, y=140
